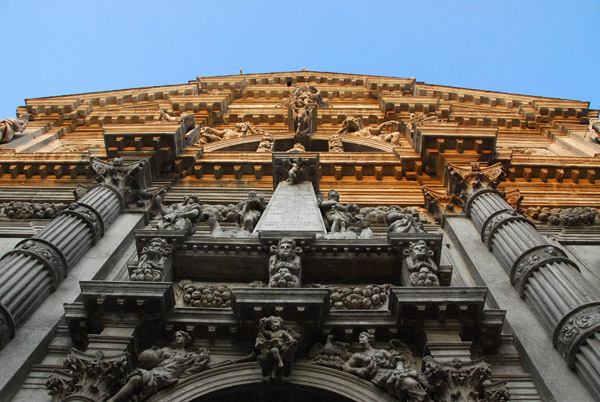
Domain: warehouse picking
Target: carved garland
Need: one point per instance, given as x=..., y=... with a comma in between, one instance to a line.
x=89, y=216
x=46, y=253
x=575, y=328
x=533, y=259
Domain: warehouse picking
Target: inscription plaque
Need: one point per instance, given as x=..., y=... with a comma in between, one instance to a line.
x=293, y=208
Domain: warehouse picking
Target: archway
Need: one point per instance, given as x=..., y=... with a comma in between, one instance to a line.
x=308, y=382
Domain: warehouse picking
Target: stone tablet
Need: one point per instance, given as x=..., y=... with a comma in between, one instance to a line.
x=293, y=208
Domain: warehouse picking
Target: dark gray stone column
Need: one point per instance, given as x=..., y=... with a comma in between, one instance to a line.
x=546, y=278
x=36, y=266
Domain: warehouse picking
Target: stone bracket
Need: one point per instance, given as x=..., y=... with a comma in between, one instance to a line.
x=47, y=254
x=575, y=328
x=533, y=259
x=89, y=216
x=401, y=241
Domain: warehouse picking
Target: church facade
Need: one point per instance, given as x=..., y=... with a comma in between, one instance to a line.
x=300, y=236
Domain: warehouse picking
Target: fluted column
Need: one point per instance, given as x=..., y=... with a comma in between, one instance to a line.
x=36, y=266
x=546, y=278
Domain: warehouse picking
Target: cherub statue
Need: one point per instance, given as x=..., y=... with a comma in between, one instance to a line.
x=337, y=216
x=297, y=171
x=403, y=221
x=395, y=370
x=419, y=263
x=183, y=216
x=277, y=347
x=284, y=264
x=250, y=211
x=159, y=368
x=209, y=134
x=9, y=127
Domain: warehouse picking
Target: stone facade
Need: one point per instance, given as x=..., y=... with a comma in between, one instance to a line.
x=300, y=236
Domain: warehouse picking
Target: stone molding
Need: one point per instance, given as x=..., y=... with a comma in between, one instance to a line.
x=89, y=216
x=47, y=254
x=533, y=259
x=575, y=328
x=497, y=220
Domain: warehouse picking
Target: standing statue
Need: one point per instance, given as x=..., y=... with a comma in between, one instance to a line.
x=277, y=347
x=209, y=134
x=403, y=221
x=250, y=211
x=395, y=371
x=354, y=126
x=297, y=170
x=183, y=216
x=159, y=368
x=9, y=127
x=285, y=265
x=303, y=102
x=337, y=217
x=419, y=265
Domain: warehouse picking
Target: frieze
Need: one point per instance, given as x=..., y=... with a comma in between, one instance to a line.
x=574, y=328
x=46, y=253
x=578, y=216
x=369, y=297
x=31, y=210
x=533, y=259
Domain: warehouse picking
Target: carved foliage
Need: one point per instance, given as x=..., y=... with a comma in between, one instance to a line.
x=458, y=380
x=578, y=216
x=216, y=296
x=128, y=180
x=575, y=328
x=153, y=261
x=50, y=257
x=333, y=355
x=464, y=182
x=31, y=210
x=525, y=265
x=89, y=377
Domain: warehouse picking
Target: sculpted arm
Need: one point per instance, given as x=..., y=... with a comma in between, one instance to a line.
x=354, y=365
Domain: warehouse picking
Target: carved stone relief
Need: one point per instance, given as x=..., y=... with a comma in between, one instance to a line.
x=277, y=348
x=31, y=210
x=419, y=269
x=9, y=127
x=575, y=328
x=153, y=261
x=335, y=143
x=331, y=354
x=209, y=134
x=250, y=211
x=195, y=295
x=159, y=368
x=403, y=220
x=183, y=216
x=578, y=216
x=393, y=370
x=369, y=297
x=284, y=264
x=296, y=170
x=87, y=377
x=266, y=143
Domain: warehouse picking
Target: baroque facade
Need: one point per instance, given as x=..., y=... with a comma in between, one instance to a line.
x=300, y=236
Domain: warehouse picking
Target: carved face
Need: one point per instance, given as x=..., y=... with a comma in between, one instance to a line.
x=251, y=195
x=276, y=325
x=285, y=251
x=419, y=251
x=363, y=339
x=333, y=195
x=179, y=339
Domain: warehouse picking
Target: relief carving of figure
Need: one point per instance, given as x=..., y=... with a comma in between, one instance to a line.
x=209, y=134
x=183, y=216
x=297, y=171
x=250, y=211
x=337, y=217
x=266, y=143
x=403, y=221
x=152, y=262
x=277, y=347
x=285, y=265
x=9, y=127
x=303, y=96
x=420, y=266
x=159, y=368
x=395, y=371
x=335, y=143
x=354, y=126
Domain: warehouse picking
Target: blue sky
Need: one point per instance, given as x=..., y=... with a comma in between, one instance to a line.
x=545, y=48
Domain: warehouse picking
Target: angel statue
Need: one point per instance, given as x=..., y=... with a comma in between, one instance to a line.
x=277, y=348
x=395, y=370
x=159, y=368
